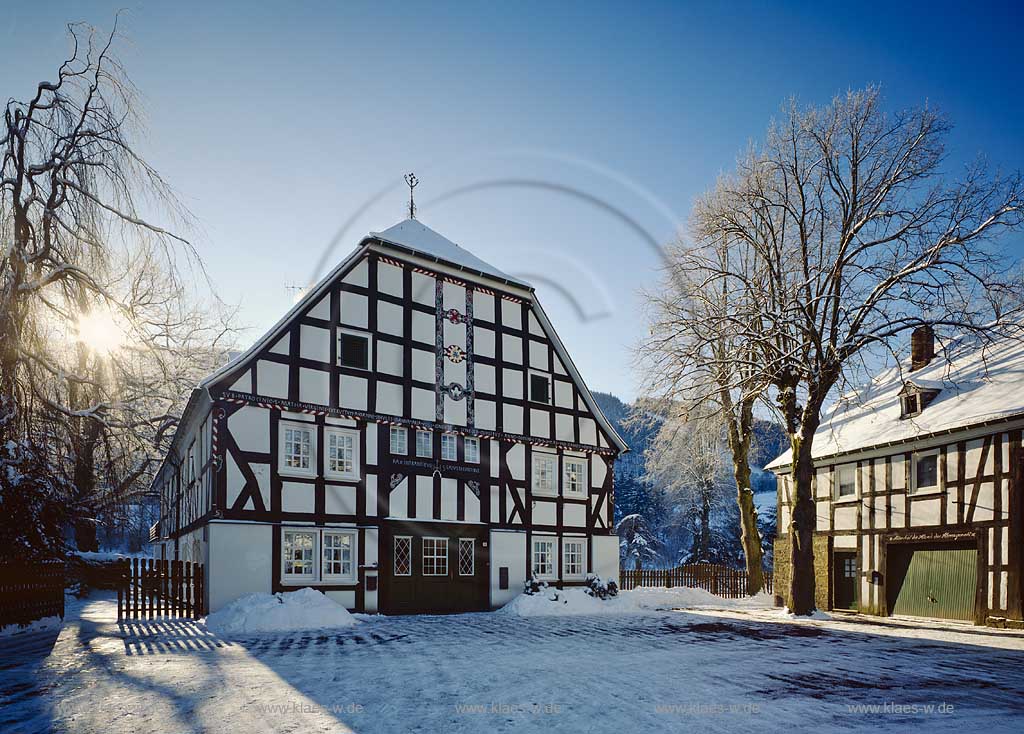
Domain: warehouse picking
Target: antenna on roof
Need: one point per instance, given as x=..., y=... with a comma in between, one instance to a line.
x=412, y=182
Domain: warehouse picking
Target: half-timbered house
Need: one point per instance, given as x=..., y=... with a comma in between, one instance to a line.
x=410, y=437
x=918, y=489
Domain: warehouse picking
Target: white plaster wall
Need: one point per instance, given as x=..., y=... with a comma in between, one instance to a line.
x=449, y=499
x=424, y=497
x=575, y=515
x=486, y=415
x=250, y=427
x=315, y=343
x=483, y=306
x=297, y=497
x=606, y=557
x=340, y=499
x=240, y=561
x=925, y=512
x=507, y=549
x=544, y=512
x=389, y=279
x=272, y=379
x=314, y=386
x=345, y=598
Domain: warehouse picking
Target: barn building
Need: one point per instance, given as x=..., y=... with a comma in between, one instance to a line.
x=918, y=489
x=410, y=437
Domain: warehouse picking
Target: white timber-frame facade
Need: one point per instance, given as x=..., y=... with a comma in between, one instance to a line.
x=918, y=490
x=411, y=437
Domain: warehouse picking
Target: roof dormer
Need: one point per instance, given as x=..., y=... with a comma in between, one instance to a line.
x=914, y=398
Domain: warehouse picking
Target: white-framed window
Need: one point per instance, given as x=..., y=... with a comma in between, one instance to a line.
x=471, y=449
x=424, y=444
x=543, y=558
x=574, y=556
x=540, y=387
x=403, y=555
x=925, y=474
x=318, y=555
x=846, y=481
x=545, y=473
x=467, y=556
x=399, y=441
x=298, y=549
x=338, y=555
x=574, y=479
x=435, y=556
x=342, y=448
x=355, y=349
x=298, y=449
x=449, y=446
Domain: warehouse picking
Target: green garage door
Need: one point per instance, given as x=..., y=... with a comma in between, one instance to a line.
x=939, y=583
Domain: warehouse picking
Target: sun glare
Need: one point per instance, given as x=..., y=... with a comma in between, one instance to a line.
x=100, y=330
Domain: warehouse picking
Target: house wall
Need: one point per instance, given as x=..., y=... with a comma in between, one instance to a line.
x=978, y=496
x=240, y=561
x=447, y=355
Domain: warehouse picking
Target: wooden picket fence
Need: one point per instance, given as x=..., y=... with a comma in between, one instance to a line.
x=723, y=581
x=150, y=588
x=30, y=590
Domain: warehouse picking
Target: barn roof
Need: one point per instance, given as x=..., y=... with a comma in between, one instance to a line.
x=977, y=383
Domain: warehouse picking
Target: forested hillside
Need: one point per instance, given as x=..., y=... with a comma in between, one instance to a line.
x=667, y=512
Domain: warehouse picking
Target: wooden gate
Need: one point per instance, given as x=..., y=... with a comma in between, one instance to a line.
x=150, y=588
x=720, y=580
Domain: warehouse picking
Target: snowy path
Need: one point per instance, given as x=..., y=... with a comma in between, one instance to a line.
x=673, y=671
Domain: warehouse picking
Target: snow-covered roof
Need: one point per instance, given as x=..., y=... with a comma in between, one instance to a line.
x=977, y=385
x=413, y=235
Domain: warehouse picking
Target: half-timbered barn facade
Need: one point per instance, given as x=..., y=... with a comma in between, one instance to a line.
x=411, y=437
x=918, y=489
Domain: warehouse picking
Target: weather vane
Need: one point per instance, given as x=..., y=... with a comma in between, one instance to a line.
x=412, y=182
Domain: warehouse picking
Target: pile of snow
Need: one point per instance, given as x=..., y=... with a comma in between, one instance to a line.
x=305, y=609
x=576, y=601
x=106, y=555
x=38, y=625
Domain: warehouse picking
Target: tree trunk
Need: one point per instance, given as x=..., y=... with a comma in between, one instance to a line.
x=801, y=529
x=750, y=536
x=705, y=526
x=739, y=433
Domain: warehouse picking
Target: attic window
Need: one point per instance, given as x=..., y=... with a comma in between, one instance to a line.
x=540, y=388
x=914, y=399
x=354, y=349
x=911, y=405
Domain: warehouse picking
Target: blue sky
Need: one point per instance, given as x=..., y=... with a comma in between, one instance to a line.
x=536, y=131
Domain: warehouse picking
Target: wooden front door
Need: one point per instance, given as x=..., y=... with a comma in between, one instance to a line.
x=434, y=568
x=844, y=581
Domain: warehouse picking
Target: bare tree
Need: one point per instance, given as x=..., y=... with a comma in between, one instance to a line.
x=696, y=364
x=79, y=250
x=859, y=235
x=688, y=459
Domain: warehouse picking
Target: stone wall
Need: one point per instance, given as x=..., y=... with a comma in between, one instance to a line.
x=782, y=570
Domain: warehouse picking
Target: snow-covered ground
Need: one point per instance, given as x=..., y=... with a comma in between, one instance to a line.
x=723, y=667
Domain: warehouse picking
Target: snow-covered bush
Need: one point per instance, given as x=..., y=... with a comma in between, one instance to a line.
x=599, y=589
x=33, y=504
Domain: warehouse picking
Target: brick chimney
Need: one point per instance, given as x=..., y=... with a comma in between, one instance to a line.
x=922, y=347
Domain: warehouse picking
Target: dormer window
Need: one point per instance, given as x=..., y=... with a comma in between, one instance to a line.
x=914, y=399
x=911, y=405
